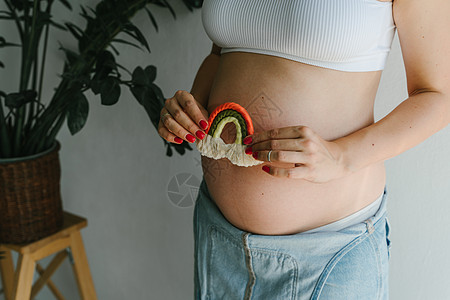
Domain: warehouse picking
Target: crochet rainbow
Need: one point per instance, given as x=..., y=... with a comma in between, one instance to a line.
x=212, y=144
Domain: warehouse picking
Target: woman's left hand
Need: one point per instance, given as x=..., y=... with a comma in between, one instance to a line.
x=314, y=158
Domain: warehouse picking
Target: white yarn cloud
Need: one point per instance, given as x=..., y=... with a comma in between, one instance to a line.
x=215, y=147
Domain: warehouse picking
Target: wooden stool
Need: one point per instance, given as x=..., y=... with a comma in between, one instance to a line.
x=18, y=285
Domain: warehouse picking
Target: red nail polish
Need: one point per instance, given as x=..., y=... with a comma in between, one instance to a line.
x=200, y=134
x=266, y=169
x=203, y=124
x=255, y=154
x=248, y=150
x=248, y=140
x=190, y=138
x=178, y=140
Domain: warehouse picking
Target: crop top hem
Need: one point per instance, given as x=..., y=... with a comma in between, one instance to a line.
x=362, y=64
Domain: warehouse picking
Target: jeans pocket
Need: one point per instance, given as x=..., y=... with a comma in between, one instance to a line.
x=276, y=275
x=235, y=271
x=354, y=272
x=226, y=274
x=388, y=241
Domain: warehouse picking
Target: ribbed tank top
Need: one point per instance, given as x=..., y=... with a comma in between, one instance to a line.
x=345, y=35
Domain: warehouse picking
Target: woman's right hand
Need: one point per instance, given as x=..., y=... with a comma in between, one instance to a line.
x=182, y=118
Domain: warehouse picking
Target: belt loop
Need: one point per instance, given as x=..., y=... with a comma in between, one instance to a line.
x=369, y=225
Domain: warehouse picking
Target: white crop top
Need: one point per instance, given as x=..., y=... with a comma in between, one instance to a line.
x=345, y=35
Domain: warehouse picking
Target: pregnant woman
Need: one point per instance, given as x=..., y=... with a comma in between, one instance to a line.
x=310, y=221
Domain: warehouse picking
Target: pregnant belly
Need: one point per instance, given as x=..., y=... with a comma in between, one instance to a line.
x=279, y=93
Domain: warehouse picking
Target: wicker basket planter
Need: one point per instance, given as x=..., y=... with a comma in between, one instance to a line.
x=30, y=197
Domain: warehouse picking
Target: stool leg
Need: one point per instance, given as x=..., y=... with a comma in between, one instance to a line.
x=45, y=276
x=24, y=277
x=7, y=271
x=50, y=284
x=81, y=268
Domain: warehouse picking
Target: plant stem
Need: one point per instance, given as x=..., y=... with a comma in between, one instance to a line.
x=5, y=146
x=25, y=75
x=33, y=87
x=41, y=77
x=49, y=139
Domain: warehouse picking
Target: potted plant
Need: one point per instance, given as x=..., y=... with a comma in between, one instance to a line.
x=30, y=201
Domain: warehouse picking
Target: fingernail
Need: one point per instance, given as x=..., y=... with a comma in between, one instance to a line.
x=178, y=140
x=255, y=154
x=190, y=138
x=200, y=134
x=266, y=169
x=248, y=140
x=203, y=124
x=248, y=150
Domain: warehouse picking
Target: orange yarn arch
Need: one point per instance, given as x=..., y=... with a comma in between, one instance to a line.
x=236, y=107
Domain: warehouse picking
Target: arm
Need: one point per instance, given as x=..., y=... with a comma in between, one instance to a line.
x=205, y=76
x=424, y=34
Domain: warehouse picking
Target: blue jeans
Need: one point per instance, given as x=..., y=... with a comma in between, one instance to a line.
x=352, y=263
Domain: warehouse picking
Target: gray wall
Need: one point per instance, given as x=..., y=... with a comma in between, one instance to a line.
x=115, y=173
